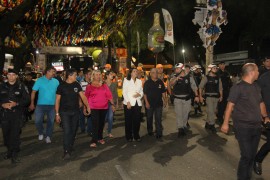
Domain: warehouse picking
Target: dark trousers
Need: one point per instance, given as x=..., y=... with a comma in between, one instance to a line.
x=157, y=112
x=98, y=121
x=11, y=127
x=248, y=140
x=264, y=149
x=132, y=121
x=82, y=122
x=70, y=122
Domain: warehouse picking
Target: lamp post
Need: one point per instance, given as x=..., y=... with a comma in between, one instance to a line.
x=183, y=53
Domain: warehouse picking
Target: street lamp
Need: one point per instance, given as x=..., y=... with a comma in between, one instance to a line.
x=183, y=53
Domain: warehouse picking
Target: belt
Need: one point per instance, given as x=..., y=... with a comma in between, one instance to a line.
x=212, y=95
x=183, y=98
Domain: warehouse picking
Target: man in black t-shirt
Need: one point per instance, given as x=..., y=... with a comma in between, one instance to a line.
x=263, y=81
x=247, y=109
x=68, y=109
x=155, y=98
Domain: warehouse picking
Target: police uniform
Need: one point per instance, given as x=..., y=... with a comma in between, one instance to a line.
x=182, y=91
x=226, y=85
x=212, y=86
x=12, y=119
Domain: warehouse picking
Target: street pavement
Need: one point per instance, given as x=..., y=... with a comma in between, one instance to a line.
x=198, y=156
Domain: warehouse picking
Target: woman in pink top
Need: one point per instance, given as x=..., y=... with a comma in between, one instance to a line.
x=98, y=96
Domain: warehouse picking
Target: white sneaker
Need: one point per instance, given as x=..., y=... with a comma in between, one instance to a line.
x=48, y=140
x=40, y=137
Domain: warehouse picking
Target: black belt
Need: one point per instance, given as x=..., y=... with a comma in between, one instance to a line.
x=212, y=95
x=188, y=97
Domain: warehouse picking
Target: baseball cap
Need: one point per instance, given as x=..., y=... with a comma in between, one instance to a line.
x=12, y=71
x=179, y=65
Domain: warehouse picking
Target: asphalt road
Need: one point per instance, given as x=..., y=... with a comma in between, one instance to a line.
x=198, y=156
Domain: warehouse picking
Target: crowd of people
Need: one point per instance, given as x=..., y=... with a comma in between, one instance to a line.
x=87, y=99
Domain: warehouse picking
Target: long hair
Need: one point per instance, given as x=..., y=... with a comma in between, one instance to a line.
x=129, y=73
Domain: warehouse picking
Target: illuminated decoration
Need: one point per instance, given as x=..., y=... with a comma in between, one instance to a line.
x=71, y=22
x=8, y=5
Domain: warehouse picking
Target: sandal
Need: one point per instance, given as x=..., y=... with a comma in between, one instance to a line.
x=101, y=141
x=93, y=145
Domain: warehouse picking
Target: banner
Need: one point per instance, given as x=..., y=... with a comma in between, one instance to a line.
x=168, y=26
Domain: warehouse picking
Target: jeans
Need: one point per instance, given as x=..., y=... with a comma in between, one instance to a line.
x=109, y=118
x=40, y=111
x=264, y=149
x=82, y=122
x=157, y=111
x=98, y=121
x=132, y=122
x=248, y=140
x=70, y=122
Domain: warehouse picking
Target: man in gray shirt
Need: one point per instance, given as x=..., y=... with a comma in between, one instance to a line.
x=247, y=108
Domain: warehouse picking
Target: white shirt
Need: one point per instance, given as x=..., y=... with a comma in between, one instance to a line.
x=130, y=88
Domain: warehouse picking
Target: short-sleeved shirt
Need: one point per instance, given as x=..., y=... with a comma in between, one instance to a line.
x=46, y=90
x=246, y=99
x=153, y=90
x=69, y=92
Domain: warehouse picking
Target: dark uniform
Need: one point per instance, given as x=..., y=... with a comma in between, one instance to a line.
x=197, y=106
x=226, y=85
x=12, y=119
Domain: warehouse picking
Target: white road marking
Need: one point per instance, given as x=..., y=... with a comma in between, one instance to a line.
x=124, y=175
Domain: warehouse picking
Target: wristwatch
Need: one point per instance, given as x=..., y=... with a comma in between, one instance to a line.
x=57, y=114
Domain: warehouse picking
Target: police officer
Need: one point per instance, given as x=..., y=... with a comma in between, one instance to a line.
x=226, y=85
x=212, y=86
x=14, y=97
x=183, y=85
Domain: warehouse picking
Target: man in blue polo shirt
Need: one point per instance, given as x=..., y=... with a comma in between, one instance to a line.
x=46, y=87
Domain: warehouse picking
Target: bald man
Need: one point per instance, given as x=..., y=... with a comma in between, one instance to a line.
x=247, y=108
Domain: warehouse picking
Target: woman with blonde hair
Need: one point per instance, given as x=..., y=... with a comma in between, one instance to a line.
x=98, y=95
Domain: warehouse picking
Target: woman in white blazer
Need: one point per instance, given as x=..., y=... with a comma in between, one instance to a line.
x=132, y=93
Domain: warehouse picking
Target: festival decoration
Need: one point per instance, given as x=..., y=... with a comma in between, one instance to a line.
x=71, y=22
x=210, y=18
x=156, y=36
x=214, y=18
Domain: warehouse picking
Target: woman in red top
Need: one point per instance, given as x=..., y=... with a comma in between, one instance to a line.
x=98, y=96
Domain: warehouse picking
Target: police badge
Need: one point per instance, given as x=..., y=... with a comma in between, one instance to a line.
x=76, y=90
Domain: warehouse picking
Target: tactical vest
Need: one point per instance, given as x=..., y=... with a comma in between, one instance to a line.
x=212, y=85
x=182, y=86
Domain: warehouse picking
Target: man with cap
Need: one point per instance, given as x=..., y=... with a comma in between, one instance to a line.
x=197, y=75
x=183, y=85
x=212, y=86
x=14, y=97
x=226, y=85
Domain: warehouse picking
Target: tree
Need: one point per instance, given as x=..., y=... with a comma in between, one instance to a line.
x=7, y=21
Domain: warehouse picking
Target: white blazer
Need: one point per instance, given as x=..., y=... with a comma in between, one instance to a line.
x=130, y=88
